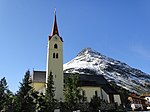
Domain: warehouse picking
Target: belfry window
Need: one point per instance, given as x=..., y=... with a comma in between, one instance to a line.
x=55, y=46
x=53, y=55
x=57, y=55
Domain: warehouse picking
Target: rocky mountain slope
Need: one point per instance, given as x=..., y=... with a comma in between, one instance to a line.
x=90, y=61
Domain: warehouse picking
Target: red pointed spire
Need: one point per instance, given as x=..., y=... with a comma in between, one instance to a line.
x=55, y=28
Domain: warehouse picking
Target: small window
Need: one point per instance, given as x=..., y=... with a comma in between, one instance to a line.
x=55, y=46
x=83, y=93
x=57, y=55
x=53, y=55
x=96, y=93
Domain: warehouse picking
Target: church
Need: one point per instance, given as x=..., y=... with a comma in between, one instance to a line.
x=89, y=84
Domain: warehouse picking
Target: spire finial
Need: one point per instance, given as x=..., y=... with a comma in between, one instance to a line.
x=55, y=28
x=55, y=10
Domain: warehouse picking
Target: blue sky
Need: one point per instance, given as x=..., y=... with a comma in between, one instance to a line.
x=116, y=28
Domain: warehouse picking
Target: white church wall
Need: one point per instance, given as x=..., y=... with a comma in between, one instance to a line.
x=117, y=99
x=105, y=96
x=90, y=92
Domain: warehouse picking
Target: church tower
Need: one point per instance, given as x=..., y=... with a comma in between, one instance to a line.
x=55, y=60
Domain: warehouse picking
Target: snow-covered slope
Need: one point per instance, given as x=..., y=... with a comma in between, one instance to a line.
x=90, y=61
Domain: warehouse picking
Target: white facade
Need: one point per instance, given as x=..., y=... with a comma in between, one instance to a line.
x=90, y=92
x=117, y=99
x=55, y=64
x=105, y=96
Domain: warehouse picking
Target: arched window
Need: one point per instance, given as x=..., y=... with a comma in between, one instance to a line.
x=53, y=55
x=96, y=93
x=57, y=55
x=55, y=46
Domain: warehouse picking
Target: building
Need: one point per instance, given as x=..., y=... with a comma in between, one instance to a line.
x=89, y=84
x=137, y=102
x=147, y=98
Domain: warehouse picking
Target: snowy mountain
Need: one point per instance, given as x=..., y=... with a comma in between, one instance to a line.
x=90, y=61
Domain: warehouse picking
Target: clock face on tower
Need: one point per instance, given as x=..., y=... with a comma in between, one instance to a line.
x=55, y=38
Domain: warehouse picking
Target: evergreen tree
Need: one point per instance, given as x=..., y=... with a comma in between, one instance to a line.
x=50, y=93
x=6, y=96
x=9, y=107
x=95, y=103
x=41, y=103
x=3, y=89
x=72, y=92
x=76, y=89
x=24, y=99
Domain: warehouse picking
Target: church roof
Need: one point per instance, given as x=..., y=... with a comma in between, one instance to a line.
x=55, y=28
x=39, y=76
x=89, y=80
x=108, y=89
x=94, y=81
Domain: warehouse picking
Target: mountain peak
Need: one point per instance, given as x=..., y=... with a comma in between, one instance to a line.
x=89, y=61
x=90, y=51
x=85, y=51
